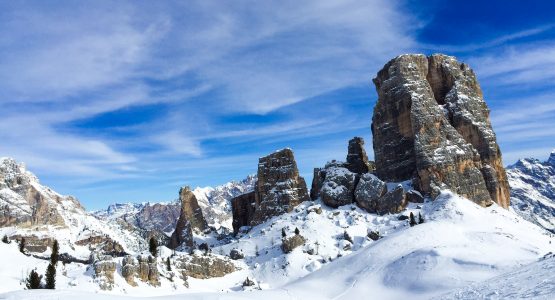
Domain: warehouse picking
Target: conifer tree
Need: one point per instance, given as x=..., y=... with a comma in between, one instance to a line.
x=33, y=281
x=297, y=231
x=283, y=234
x=168, y=264
x=50, y=277
x=22, y=245
x=153, y=246
x=54, y=256
x=412, y=221
x=420, y=219
x=5, y=239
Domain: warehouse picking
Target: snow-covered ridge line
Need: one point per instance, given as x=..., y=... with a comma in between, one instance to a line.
x=533, y=190
x=214, y=202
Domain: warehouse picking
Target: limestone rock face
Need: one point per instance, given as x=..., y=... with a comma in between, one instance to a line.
x=357, y=160
x=339, y=186
x=204, y=267
x=368, y=191
x=242, y=208
x=279, y=187
x=190, y=218
x=143, y=268
x=103, y=244
x=25, y=203
x=104, y=269
x=431, y=124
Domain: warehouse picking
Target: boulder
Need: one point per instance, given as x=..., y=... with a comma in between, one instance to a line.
x=415, y=196
x=339, y=186
x=431, y=125
x=392, y=202
x=242, y=209
x=368, y=190
x=190, y=218
x=279, y=187
x=236, y=254
x=290, y=243
x=357, y=160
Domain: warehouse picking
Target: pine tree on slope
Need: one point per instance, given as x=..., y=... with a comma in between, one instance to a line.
x=153, y=246
x=22, y=245
x=50, y=277
x=55, y=256
x=33, y=281
x=412, y=221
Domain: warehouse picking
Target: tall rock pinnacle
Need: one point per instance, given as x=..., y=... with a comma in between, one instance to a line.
x=190, y=218
x=431, y=124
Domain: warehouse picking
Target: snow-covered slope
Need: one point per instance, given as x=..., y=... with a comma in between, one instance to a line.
x=533, y=190
x=459, y=245
x=533, y=281
x=38, y=213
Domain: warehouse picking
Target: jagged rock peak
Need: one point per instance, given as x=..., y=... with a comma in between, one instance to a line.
x=431, y=124
x=357, y=160
x=190, y=218
x=278, y=189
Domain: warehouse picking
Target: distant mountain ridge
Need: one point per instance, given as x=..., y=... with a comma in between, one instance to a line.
x=163, y=216
x=533, y=190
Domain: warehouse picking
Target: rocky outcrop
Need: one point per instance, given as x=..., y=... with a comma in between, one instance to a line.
x=290, y=243
x=190, y=218
x=143, y=268
x=357, y=160
x=102, y=244
x=204, y=267
x=25, y=203
x=337, y=184
x=431, y=125
x=242, y=208
x=34, y=243
x=104, y=269
x=278, y=189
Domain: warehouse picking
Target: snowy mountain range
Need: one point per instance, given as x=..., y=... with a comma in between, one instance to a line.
x=533, y=190
x=162, y=216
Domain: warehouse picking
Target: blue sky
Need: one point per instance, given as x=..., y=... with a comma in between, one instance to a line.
x=118, y=101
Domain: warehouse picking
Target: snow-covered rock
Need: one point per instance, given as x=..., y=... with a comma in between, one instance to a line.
x=36, y=212
x=533, y=190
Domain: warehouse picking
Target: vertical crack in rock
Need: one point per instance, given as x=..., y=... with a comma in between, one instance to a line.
x=431, y=124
